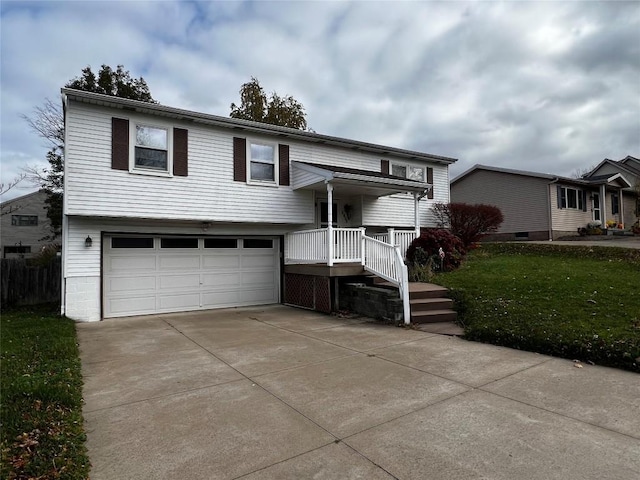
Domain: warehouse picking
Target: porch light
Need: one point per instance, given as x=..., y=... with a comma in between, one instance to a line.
x=88, y=242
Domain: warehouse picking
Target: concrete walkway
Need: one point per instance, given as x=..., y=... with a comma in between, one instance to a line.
x=280, y=393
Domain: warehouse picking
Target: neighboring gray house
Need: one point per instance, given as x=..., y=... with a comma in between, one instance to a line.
x=629, y=167
x=540, y=206
x=24, y=225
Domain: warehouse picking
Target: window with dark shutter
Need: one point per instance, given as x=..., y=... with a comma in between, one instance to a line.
x=180, y=152
x=562, y=197
x=283, y=158
x=615, y=204
x=384, y=166
x=239, y=159
x=119, y=144
x=430, y=182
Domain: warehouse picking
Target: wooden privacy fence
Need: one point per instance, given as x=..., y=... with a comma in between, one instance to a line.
x=24, y=284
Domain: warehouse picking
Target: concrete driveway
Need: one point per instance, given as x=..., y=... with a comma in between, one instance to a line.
x=276, y=392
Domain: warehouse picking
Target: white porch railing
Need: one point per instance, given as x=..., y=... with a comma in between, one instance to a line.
x=352, y=245
x=402, y=239
x=399, y=238
x=306, y=246
x=347, y=244
x=386, y=261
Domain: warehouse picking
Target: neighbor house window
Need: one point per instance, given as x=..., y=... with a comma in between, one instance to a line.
x=24, y=220
x=410, y=172
x=151, y=148
x=262, y=163
x=17, y=249
x=571, y=198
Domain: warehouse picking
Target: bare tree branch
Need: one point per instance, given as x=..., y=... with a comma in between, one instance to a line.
x=47, y=121
x=5, y=187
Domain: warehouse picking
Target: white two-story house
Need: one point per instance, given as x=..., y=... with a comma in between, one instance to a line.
x=169, y=210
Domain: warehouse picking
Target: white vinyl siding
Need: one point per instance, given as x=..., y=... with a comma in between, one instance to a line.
x=568, y=219
x=397, y=210
x=208, y=193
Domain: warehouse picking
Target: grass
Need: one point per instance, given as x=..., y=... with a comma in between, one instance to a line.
x=574, y=302
x=42, y=433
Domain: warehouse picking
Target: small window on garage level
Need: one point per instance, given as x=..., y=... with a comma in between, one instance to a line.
x=220, y=243
x=178, y=243
x=132, y=242
x=258, y=243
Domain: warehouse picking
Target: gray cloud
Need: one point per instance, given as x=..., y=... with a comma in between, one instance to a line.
x=549, y=86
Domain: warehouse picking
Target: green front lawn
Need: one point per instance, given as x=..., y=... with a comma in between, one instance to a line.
x=575, y=302
x=41, y=397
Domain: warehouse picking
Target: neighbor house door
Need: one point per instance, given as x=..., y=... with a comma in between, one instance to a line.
x=595, y=207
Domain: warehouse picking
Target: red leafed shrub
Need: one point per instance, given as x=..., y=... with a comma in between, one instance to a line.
x=427, y=248
x=468, y=222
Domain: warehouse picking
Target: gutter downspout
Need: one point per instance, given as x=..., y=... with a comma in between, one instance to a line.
x=65, y=222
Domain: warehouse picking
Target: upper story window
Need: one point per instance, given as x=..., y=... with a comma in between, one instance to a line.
x=410, y=172
x=151, y=148
x=156, y=150
x=262, y=162
x=24, y=220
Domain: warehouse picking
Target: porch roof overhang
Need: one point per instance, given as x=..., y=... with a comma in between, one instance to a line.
x=612, y=180
x=310, y=176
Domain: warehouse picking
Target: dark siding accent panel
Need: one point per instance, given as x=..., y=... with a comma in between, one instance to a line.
x=119, y=144
x=180, y=152
x=239, y=159
x=430, y=182
x=384, y=166
x=283, y=154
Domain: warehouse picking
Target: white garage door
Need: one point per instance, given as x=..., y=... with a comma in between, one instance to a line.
x=145, y=274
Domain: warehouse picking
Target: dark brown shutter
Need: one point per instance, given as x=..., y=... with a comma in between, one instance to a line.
x=119, y=143
x=283, y=154
x=384, y=166
x=430, y=181
x=180, y=152
x=239, y=159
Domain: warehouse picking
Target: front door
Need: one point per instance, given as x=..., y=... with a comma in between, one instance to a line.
x=595, y=206
x=322, y=213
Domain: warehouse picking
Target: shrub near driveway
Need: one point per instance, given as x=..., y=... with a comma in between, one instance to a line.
x=575, y=302
x=41, y=397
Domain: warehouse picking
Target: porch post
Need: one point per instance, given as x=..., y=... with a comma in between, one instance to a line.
x=603, y=205
x=621, y=207
x=330, y=245
x=416, y=213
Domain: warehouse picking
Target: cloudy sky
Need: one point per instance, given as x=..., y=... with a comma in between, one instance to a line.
x=545, y=86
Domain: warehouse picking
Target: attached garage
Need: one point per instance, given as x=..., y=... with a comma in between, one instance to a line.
x=162, y=274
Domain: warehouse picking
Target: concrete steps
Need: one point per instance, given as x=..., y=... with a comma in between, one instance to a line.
x=428, y=302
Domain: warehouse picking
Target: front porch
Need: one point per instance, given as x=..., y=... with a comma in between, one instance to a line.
x=332, y=269
x=319, y=261
x=329, y=253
